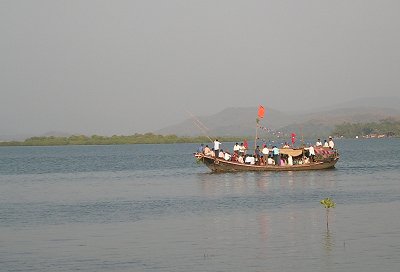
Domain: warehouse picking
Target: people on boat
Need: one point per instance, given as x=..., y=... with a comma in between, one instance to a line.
x=257, y=152
x=318, y=143
x=200, y=149
x=212, y=153
x=270, y=161
x=265, y=151
x=234, y=157
x=286, y=145
x=242, y=149
x=325, y=144
x=276, y=153
x=207, y=151
x=217, y=146
x=250, y=160
x=311, y=153
x=221, y=154
x=261, y=161
x=290, y=160
x=236, y=148
x=227, y=156
x=331, y=144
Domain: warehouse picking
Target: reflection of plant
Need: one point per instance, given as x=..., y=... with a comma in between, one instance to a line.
x=328, y=203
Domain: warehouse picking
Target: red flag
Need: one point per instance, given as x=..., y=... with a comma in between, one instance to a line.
x=293, y=138
x=246, y=145
x=261, y=112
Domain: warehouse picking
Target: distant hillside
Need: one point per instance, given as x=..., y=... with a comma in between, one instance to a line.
x=229, y=122
x=241, y=121
x=320, y=124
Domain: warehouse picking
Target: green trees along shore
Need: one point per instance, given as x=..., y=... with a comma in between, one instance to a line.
x=385, y=128
x=147, y=138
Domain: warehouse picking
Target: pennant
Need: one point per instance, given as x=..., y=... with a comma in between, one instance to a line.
x=293, y=138
x=261, y=112
x=246, y=145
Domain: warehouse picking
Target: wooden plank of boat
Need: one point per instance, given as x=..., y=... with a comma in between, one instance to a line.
x=221, y=165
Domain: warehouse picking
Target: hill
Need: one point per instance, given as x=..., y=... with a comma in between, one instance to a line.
x=229, y=122
x=320, y=123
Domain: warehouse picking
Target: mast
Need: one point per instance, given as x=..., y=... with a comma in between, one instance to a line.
x=261, y=112
x=255, y=139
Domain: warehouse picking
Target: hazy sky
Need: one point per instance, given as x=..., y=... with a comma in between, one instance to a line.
x=120, y=67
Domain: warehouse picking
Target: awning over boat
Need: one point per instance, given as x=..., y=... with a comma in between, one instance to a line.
x=290, y=151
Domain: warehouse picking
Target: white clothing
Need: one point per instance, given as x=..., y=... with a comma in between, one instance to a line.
x=216, y=145
x=331, y=144
x=227, y=156
x=265, y=151
x=240, y=159
x=250, y=160
x=318, y=144
x=326, y=144
x=270, y=161
x=311, y=151
x=236, y=147
x=221, y=155
x=290, y=160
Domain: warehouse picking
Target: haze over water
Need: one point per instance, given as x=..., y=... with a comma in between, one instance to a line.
x=152, y=208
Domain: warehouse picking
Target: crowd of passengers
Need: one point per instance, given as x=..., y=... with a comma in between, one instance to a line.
x=264, y=155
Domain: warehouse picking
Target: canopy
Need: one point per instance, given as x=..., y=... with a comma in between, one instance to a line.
x=292, y=152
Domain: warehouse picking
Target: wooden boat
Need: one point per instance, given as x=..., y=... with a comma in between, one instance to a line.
x=325, y=159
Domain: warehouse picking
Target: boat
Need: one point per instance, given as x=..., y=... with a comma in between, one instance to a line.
x=325, y=158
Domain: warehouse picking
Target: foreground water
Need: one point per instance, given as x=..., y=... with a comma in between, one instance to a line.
x=152, y=208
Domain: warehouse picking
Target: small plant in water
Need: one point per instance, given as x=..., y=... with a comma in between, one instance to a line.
x=328, y=203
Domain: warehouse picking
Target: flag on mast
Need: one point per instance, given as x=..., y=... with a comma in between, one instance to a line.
x=293, y=138
x=261, y=112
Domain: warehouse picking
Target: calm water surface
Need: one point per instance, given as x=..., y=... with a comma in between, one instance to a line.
x=152, y=208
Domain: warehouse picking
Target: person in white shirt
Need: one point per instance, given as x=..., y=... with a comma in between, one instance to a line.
x=331, y=143
x=227, y=156
x=290, y=160
x=221, y=154
x=311, y=153
x=318, y=143
x=286, y=145
x=236, y=148
x=242, y=149
x=250, y=160
x=217, y=145
x=326, y=143
x=265, y=151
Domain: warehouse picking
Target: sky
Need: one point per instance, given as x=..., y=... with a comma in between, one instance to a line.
x=125, y=67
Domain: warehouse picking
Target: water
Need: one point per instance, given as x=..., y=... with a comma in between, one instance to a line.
x=152, y=208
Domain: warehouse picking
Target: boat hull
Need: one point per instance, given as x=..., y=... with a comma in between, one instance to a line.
x=221, y=165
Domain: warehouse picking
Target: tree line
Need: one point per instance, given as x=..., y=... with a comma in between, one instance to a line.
x=387, y=127
x=147, y=138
